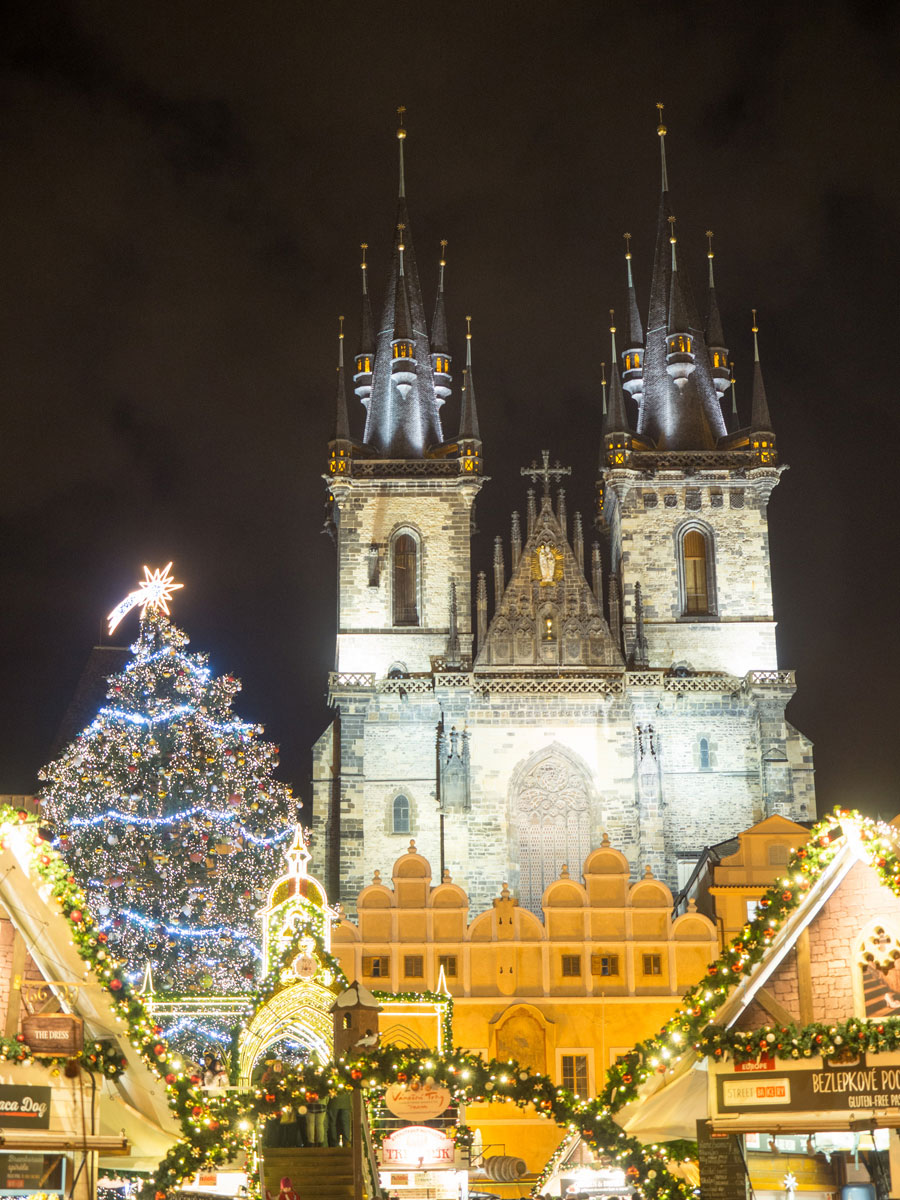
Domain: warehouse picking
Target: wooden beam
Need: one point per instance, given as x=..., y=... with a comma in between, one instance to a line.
x=804, y=978
x=776, y=1011
x=16, y=975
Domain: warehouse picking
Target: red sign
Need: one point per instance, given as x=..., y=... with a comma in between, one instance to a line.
x=756, y=1064
x=417, y=1146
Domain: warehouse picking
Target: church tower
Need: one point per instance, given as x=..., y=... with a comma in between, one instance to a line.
x=683, y=498
x=402, y=496
x=401, y=503
x=629, y=695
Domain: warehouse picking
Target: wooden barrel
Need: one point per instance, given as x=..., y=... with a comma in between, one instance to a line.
x=504, y=1168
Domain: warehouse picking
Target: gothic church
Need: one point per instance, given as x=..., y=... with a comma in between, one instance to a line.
x=629, y=691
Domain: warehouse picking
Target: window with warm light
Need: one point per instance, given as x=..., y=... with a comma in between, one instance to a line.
x=696, y=581
x=575, y=1073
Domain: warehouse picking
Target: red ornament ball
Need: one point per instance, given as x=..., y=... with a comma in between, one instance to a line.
x=116, y=985
x=170, y=1078
x=356, y=1073
x=159, y=1049
x=197, y=1110
x=76, y=916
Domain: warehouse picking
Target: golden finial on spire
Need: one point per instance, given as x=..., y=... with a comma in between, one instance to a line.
x=755, y=328
x=661, y=129
x=400, y=228
x=364, y=247
x=341, y=323
x=401, y=132
x=672, y=237
x=603, y=374
x=612, y=320
x=627, y=237
x=468, y=329
x=709, y=238
x=443, y=252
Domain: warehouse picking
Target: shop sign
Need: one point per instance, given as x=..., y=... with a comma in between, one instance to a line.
x=53, y=1033
x=24, y=1107
x=829, y=1087
x=416, y=1101
x=417, y=1146
x=723, y=1173
x=23, y=1172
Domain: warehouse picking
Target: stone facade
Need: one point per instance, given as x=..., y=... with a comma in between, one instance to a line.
x=633, y=691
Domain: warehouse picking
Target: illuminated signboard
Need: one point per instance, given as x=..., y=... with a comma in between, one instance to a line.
x=417, y=1146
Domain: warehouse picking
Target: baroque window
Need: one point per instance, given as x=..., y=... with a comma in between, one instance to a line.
x=405, y=579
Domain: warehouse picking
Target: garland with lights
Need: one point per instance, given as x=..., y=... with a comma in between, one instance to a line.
x=471, y=1080
x=167, y=811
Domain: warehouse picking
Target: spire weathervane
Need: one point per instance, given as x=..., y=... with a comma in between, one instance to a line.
x=662, y=131
x=545, y=473
x=154, y=591
x=401, y=137
x=443, y=263
x=364, y=266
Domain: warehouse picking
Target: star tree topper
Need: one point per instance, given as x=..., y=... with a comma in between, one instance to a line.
x=154, y=591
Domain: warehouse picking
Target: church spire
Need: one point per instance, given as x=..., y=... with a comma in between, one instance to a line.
x=341, y=419
x=402, y=421
x=679, y=405
x=680, y=355
x=469, y=434
x=440, y=352
x=365, y=355
x=340, y=447
x=715, y=338
x=616, y=430
x=633, y=355
x=762, y=439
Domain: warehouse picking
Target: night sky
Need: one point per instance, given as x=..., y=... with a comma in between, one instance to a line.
x=185, y=187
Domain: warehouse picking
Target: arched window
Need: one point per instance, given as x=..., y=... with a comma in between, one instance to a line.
x=704, y=754
x=401, y=815
x=695, y=553
x=405, y=595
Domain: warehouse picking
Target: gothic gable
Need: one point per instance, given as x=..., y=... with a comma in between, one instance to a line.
x=548, y=616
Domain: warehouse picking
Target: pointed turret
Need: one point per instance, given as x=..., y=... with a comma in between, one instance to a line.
x=365, y=355
x=402, y=421
x=762, y=439
x=680, y=356
x=616, y=430
x=341, y=418
x=633, y=354
x=715, y=338
x=440, y=353
x=340, y=446
x=679, y=405
x=469, y=438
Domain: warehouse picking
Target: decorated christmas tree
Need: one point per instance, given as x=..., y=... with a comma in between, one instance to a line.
x=166, y=809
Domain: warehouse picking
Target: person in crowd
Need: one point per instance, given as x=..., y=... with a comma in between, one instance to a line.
x=340, y=1116
x=315, y=1119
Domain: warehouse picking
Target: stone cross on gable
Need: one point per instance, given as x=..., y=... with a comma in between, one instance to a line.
x=545, y=473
